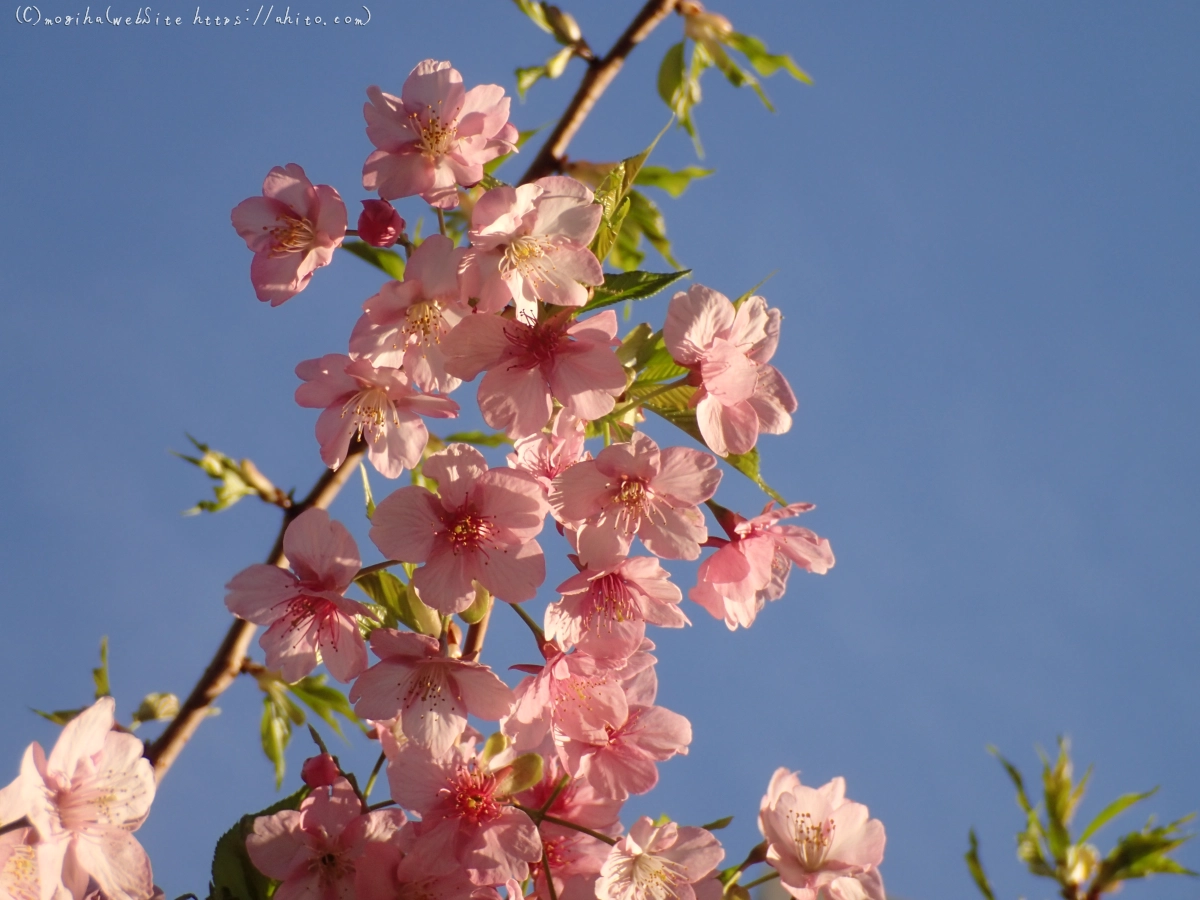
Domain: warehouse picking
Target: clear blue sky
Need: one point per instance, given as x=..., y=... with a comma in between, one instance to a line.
x=985, y=224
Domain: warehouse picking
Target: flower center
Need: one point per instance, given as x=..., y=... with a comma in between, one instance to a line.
x=473, y=796
x=468, y=530
x=653, y=877
x=330, y=867
x=424, y=322
x=636, y=501
x=609, y=601
x=436, y=138
x=812, y=839
x=293, y=234
x=526, y=255
x=20, y=873
x=371, y=410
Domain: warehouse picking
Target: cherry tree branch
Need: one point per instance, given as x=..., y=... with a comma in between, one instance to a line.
x=596, y=79
x=226, y=663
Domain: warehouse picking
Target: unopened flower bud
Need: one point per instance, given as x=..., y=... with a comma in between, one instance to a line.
x=379, y=224
x=319, y=771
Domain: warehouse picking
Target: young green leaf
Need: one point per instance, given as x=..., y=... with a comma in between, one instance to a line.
x=976, y=868
x=670, y=76
x=536, y=12
x=275, y=731
x=1113, y=810
x=765, y=63
x=391, y=593
x=388, y=261
x=234, y=876
x=631, y=286
x=324, y=700
x=100, y=674
x=673, y=182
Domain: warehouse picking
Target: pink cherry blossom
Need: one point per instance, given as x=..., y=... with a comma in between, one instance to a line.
x=753, y=566
x=573, y=697
x=604, y=610
x=815, y=836
x=433, y=694
x=529, y=244
x=293, y=229
x=83, y=802
x=406, y=322
x=739, y=394
x=434, y=135
x=481, y=528
x=530, y=366
x=546, y=455
x=379, y=224
x=318, y=851
x=466, y=821
x=379, y=405
x=658, y=862
x=636, y=489
x=307, y=614
x=625, y=761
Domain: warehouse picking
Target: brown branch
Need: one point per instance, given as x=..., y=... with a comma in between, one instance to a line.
x=597, y=78
x=227, y=661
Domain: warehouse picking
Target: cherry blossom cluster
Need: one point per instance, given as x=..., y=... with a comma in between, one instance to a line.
x=535, y=809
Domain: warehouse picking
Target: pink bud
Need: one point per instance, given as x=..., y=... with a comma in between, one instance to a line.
x=379, y=224
x=319, y=771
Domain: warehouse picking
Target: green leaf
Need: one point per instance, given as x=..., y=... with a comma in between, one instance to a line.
x=976, y=868
x=367, y=495
x=100, y=674
x=765, y=63
x=748, y=465
x=324, y=700
x=232, y=485
x=536, y=12
x=659, y=366
x=391, y=593
x=670, y=75
x=275, y=732
x=58, y=716
x=527, y=77
x=673, y=182
x=1014, y=774
x=718, y=824
x=234, y=876
x=1144, y=852
x=612, y=195
x=389, y=261
x=631, y=286
x=155, y=707
x=1113, y=810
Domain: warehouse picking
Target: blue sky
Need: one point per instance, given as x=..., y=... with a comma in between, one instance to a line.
x=984, y=222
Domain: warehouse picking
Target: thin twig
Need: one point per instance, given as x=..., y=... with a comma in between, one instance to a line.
x=20, y=823
x=374, y=774
x=770, y=876
x=227, y=661
x=595, y=80
x=555, y=820
x=533, y=626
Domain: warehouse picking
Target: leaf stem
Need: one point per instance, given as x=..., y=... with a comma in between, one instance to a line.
x=538, y=816
x=661, y=389
x=770, y=876
x=533, y=626
x=374, y=774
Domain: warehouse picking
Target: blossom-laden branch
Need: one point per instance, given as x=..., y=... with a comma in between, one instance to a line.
x=226, y=663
